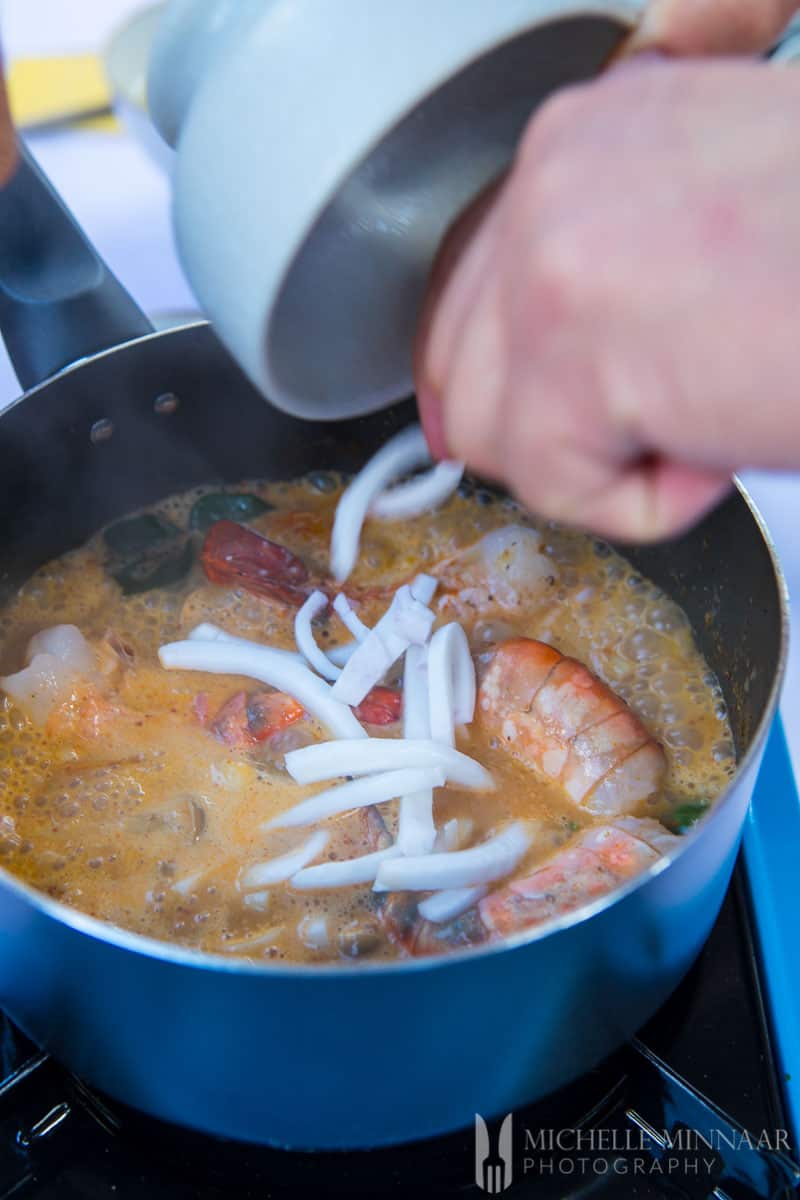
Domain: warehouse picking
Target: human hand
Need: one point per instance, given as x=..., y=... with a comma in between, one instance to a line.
x=689, y=27
x=619, y=331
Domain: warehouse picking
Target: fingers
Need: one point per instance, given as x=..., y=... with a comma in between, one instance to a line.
x=566, y=479
x=455, y=282
x=472, y=397
x=688, y=27
x=651, y=502
x=612, y=332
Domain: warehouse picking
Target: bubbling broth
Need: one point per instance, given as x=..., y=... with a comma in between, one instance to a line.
x=145, y=796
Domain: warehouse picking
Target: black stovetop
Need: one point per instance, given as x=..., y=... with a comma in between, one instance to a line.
x=603, y=1136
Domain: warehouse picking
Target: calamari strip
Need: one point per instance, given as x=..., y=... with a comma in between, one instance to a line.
x=416, y=831
x=403, y=452
x=316, y=603
x=358, y=793
x=451, y=682
x=491, y=860
x=236, y=656
x=331, y=760
x=447, y=905
x=345, y=873
x=406, y=622
x=276, y=870
x=350, y=619
x=420, y=495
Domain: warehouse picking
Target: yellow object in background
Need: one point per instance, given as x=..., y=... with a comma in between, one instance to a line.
x=45, y=90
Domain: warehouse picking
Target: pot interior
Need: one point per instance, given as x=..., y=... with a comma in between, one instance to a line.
x=99, y=440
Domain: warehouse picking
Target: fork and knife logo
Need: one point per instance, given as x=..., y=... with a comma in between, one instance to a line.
x=493, y=1166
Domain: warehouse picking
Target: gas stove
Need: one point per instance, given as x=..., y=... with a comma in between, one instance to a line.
x=702, y=1104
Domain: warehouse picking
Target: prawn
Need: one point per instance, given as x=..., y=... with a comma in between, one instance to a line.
x=235, y=556
x=502, y=572
x=558, y=718
x=591, y=865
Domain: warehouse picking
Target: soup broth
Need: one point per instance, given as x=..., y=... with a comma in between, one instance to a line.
x=145, y=799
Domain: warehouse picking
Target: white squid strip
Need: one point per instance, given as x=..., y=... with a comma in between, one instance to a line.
x=349, y=618
x=358, y=793
x=235, y=656
x=332, y=760
x=316, y=603
x=445, y=906
x=423, y=588
x=406, y=622
x=206, y=632
x=485, y=863
x=401, y=453
x=419, y=495
x=189, y=882
x=454, y=834
x=339, y=655
x=451, y=683
x=345, y=873
x=416, y=831
x=275, y=870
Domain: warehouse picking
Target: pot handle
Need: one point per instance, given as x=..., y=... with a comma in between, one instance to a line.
x=58, y=300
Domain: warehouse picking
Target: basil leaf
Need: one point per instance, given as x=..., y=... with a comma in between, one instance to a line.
x=134, y=535
x=685, y=816
x=161, y=566
x=225, y=506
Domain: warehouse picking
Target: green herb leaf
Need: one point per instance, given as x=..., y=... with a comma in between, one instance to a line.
x=685, y=816
x=161, y=566
x=225, y=506
x=134, y=535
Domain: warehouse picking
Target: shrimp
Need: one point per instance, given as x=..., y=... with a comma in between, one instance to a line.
x=595, y=862
x=564, y=723
x=234, y=554
x=591, y=865
x=236, y=560
x=248, y=718
x=558, y=718
x=503, y=572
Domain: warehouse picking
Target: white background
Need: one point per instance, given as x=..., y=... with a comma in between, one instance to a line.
x=122, y=200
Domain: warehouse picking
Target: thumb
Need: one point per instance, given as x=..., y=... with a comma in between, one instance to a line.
x=695, y=27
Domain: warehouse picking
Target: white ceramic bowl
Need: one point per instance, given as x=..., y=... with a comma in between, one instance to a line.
x=126, y=60
x=323, y=150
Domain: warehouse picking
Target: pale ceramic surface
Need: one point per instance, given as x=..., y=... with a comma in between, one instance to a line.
x=126, y=60
x=300, y=122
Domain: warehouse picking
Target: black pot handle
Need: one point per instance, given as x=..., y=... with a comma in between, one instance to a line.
x=58, y=300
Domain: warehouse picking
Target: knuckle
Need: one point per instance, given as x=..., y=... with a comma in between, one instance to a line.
x=469, y=437
x=557, y=270
x=760, y=22
x=551, y=123
x=734, y=25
